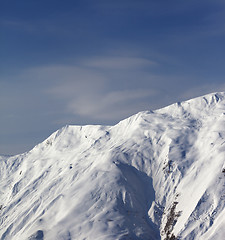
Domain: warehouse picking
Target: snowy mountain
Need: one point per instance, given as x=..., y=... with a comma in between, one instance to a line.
x=155, y=175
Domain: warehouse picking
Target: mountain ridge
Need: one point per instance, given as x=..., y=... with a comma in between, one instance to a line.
x=151, y=176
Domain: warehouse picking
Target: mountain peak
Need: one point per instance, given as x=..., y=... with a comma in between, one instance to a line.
x=156, y=175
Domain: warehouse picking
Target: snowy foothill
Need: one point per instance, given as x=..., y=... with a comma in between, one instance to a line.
x=156, y=175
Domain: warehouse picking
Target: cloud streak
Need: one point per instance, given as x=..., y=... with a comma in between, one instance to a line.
x=87, y=93
x=118, y=63
x=110, y=105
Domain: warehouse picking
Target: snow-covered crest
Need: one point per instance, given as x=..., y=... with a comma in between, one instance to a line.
x=155, y=175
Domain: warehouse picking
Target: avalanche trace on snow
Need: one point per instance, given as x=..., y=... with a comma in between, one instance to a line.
x=156, y=175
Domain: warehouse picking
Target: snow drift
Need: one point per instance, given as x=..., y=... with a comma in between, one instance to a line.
x=155, y=175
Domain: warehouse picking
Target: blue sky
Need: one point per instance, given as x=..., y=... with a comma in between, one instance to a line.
x=97, y=62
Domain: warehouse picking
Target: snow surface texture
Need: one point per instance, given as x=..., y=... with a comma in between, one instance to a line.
x=155, y=175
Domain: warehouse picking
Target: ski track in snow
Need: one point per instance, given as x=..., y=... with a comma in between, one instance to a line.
x=155, y=175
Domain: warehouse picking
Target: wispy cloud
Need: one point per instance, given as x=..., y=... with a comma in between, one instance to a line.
x=118, y=62
x=110, y=105
x=88, y=89
x=87, y=93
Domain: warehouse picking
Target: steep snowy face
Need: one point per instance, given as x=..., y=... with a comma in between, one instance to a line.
x=155, y=175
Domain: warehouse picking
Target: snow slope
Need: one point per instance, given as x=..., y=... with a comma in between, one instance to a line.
x=155, y=175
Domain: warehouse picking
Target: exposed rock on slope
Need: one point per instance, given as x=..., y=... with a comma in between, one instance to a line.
x=155, y=175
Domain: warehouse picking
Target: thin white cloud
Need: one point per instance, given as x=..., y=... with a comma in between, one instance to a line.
x=69, y=81
x=88, y=93
x=118, y=62
x=110, y=105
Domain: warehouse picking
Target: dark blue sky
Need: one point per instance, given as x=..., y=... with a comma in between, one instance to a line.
x=97, y=62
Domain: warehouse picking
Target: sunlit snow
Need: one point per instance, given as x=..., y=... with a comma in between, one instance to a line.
x=156, y=175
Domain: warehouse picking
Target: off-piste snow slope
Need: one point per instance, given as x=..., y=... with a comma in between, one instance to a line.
x=156, y=175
